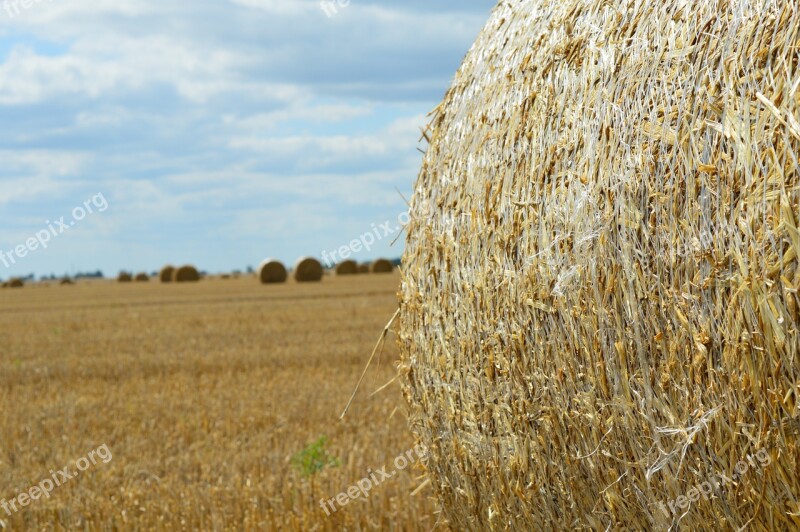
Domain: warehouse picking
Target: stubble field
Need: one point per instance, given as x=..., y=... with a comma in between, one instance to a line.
x=203, y=394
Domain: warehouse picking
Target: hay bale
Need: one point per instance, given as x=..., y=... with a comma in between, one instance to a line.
x=124, y=277
x=186, y=274
x=307, y=269
x=347, y=267
x=166, y=274
x=272, y=271
x=142, y=278
x=66, y=282
x=599, y=307
x=363, y=268
x=381, y=266
x=15, y=283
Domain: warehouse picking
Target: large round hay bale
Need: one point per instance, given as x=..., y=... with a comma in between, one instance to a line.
x=347, y=267
x=307, y=269
x=142, y=278
x=272, y=271
x=166, y=274
x=599, y=309
x=381, y=266
x=16, y=283
x=185, y=274
x=66, y=281
x=363, y=268
x=124, y=277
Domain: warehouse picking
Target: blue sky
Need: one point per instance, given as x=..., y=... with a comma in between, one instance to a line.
x=219, y=132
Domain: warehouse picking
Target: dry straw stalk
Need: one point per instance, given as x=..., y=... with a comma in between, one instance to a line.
x=599, y=306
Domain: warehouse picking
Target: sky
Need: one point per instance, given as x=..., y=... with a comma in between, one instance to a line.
x=137, y=133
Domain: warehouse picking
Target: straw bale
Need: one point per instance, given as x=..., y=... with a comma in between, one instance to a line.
x=308, y=269
x=347, y=267
x=599, y=304
x=185, y=274
x=272, y=271
x=381, y=266
x=166, y=273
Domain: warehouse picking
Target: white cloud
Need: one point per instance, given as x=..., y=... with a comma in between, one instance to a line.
x=221, y=115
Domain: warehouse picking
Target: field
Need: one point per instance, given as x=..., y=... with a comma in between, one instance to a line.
x=202, y=395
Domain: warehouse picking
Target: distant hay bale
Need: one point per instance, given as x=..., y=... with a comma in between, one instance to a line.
x=15, y=283
x=185, y=274
x=308, y=269
x=166, y=273
x=381, y=266
x=66, y=281
x=347, y=267
x=141, y=278
x=272, y=271
x=124, y=277
x=599, y=307
x=363, y=268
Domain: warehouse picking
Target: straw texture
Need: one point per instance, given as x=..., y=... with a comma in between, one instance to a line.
x=599, y=303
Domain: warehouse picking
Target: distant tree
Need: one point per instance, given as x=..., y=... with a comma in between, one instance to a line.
x=89, y=275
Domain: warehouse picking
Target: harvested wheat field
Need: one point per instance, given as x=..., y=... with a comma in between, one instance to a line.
x=203, y=394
